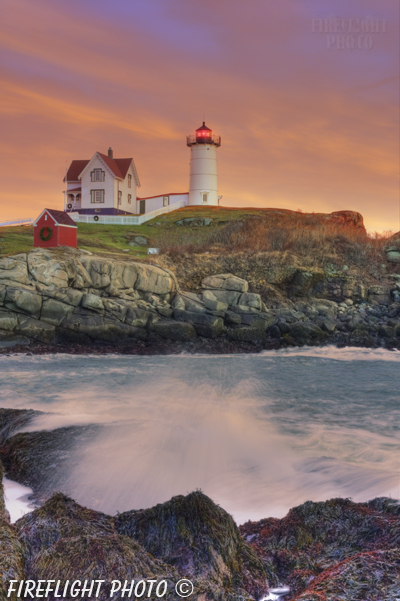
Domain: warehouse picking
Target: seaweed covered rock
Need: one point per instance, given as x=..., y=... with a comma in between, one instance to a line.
x=11, y=550
x=65, y=541
x=13, y=419
x=373, y=576
x=41, y=459
x=60, y=517
x=315, y=537
x=198, y=538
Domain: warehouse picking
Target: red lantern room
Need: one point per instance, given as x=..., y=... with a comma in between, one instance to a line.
x=204, y=135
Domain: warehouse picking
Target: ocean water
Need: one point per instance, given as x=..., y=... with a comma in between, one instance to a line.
x=258, y=433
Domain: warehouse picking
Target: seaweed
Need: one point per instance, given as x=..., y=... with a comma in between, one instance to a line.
x=200, y=539
x=308, y=544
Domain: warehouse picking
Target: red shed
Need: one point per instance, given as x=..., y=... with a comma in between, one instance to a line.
x=54, y=228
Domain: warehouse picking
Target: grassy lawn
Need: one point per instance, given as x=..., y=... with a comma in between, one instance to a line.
x=114, y=240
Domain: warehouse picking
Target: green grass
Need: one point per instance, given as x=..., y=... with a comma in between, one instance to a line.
x=113, y=240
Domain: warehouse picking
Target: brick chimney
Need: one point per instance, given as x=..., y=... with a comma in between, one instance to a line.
x=110, y=152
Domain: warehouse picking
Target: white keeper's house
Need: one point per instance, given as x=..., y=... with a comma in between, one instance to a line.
x=105, y=185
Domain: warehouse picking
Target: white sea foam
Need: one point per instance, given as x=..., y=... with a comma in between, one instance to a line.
x=16, y=499
x=338, y=354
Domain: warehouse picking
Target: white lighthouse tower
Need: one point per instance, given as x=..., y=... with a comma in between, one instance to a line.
x=203, y=189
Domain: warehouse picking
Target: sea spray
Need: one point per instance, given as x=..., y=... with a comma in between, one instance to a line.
x=257, y=433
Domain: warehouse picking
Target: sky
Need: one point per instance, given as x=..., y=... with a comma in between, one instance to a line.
x=304, y=93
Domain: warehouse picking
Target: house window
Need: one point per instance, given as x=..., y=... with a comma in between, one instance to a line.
x=97, y=175
x=129, y=181
x=205, y=196
x=96, y=195
x=119, y=197
x=165, y=201
x=129, y=198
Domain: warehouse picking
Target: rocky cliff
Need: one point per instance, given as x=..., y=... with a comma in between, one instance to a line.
x=66, y=297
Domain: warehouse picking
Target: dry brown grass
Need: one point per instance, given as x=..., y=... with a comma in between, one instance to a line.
x=314, y=239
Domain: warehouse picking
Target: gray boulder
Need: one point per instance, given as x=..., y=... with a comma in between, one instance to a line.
x=225, y=281
x=54, y=311
x=48, y=269
x=209, y=326
x=328, y=325
x=153, y=279
x=215, y=305
x=229, y=297
x=243, y=309
x=116, y=308
x=8, y=321
x=246, y=334
x=305, y=333
x=175, y=330
x=192, y=302
x=14, y=269
x=99, y=271
x=249, y=299
x=196, y=318
x=137, y=317
x=165, y=311
x=233, y=318
x=98, y=327
x=259, y=320
x=23, y=301
x=274, y=331
x=393, y=256
x=380, y=294
x=92, y=302
x=140, y=240
x=194, y=221
x=178, y=302
x=69, y=296
x=33, y=328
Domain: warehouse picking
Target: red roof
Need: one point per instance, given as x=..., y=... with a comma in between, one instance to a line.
x=61, y=217
x=75, y=169
x=123, y=165
x=118, y=166
x=111, y=164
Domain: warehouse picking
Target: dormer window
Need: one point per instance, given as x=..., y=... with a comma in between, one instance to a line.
x=129, y=181
x=97, y=175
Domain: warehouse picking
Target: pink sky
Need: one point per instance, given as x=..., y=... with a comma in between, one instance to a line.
x=305, y=123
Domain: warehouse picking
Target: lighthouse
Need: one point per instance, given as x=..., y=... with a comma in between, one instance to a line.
x=203, y=188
